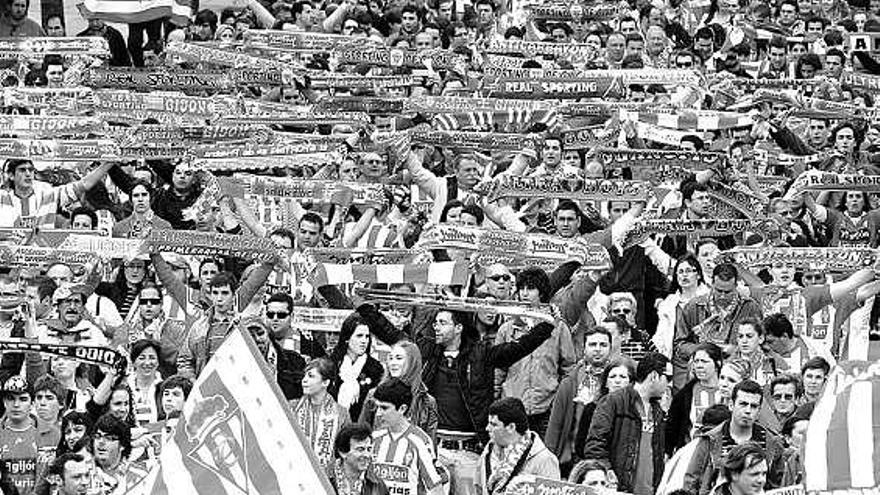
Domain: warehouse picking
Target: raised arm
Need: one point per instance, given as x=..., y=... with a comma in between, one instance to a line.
x=851, y=283
x=506, y=354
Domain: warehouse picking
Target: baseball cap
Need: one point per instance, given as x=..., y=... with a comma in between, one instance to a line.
x=65, y=292
x=175, y=260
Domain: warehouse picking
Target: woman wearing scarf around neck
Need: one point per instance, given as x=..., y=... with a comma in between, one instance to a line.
x=358, y=371
x=405, y=363
x=319, y=416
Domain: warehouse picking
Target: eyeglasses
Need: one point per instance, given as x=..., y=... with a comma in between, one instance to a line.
x=277, y=315
x=499, y=278
x=151, y=300
x=104, y=437
x=783, y=396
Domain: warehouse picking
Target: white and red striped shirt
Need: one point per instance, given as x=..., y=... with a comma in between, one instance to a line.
x=405, y=461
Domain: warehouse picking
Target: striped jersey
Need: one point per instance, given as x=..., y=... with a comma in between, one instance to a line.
x=38, y=209
x=405, y=462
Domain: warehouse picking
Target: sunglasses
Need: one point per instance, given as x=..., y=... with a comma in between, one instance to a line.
x=499, y=278
x=621, y=311
x=277, y=315
x=151, y=300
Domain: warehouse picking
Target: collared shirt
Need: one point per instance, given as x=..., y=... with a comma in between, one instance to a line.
x=38, y=209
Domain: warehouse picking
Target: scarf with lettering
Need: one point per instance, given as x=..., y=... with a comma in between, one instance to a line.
x=321, y=426
x=512, y=461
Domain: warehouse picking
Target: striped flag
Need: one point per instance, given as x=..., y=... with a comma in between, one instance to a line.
x=236, y=435
x=134, y=11
x=438, y=273
x=842, y=449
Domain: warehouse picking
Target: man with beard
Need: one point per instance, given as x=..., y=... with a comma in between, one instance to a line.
x=16, y=24
x=577, y=389
x=71, y=326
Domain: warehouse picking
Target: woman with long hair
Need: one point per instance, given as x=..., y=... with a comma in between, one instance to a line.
x=405, y=363
x=359, y=372
x=317, y=414
x=125, y=288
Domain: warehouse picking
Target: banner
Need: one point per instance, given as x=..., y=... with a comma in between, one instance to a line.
x=101, y=356
x=581, y=51
x=563, y=87
x=48, y=126
x=576, y=12
x=301, y=40
x=528, y=484
x=516, y=121
x=861, y=81
x=841, y=447
x=815, y=180
x=124, y=102
x=644, y=163
x=715, y=227
x=237, y=434
x=542, y=312
x=59, y=150
x=136, y=11
x=365, y=82
x=40, y=47
x=319, y=191
x=458, y=104
x=58, y=99
x=103, y=246
x=702, y=120
x=372, y=256
x=312, y=144
x=574, y=188
x=436, y=273
x=745, y=202
x=36, y=256
x=532, y=246
x=368, y=105
x=830, y=259
x=211, y=244
x=159, y=79
x=265, y=163
x=622, y=77
x=199, y=53
x=662, y=135
x=154, y=134
x=481, y=141
x=395, y=57
x=864, y=42
x=318, y=319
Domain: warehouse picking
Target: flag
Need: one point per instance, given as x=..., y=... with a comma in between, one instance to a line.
x=236, y=435
x=438, y=273
x=842, y=452
x=135, y=11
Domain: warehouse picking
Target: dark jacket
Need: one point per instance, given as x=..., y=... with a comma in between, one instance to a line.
x=476, y=361
x=711, y=451
x=678, y=424
x=291, y=365
x=615, y=435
